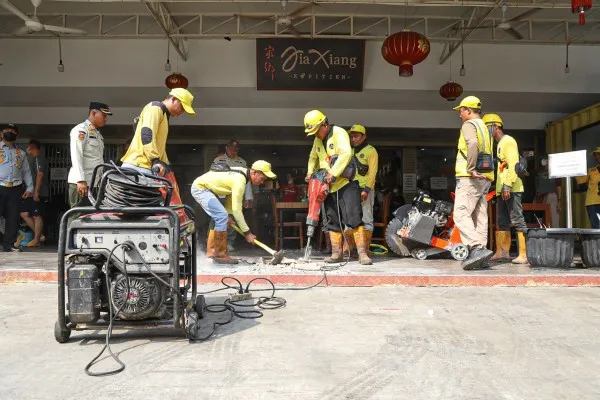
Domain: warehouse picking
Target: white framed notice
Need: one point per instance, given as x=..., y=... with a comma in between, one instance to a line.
x=59, y=174
x=567, y=165
x=438, y=183
x=409, y=183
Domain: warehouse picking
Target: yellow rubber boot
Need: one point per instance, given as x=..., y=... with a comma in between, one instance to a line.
x=349, y=239
x=369, y=236
x=360, y=238
x=502, y=247
x=336, y=239
x=210, y=244
x=522, y=259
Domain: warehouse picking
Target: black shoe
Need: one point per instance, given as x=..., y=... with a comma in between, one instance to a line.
x=12, y=249
x=478, y=258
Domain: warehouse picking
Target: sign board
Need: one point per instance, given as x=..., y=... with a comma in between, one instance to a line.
x=567, y=165
x=59, y=174
x=409, y=183
x=310, y=64
x=438, y=183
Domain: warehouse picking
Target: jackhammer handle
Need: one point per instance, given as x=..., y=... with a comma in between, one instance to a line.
x=256, y=241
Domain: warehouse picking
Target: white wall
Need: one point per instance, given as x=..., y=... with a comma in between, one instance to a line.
x=219, y=63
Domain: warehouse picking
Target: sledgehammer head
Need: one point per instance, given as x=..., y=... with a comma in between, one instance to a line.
x=277, y=257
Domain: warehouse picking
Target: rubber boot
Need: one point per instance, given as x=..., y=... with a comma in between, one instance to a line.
x=336, y=247
x=369, y=236
x=221, y=256
x=522, y=258
x=327, y=243
x=348, y=237
x=502, y=247
x=360, y=238
x=210, y=244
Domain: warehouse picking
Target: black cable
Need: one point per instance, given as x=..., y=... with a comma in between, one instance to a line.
x=112, y=317
x=123, y=191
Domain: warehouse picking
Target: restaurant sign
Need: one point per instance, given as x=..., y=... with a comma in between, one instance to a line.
x=310, y=64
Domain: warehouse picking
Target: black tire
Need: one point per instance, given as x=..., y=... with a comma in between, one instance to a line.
x=395, y=243
x=200, y=306
x=61, y=336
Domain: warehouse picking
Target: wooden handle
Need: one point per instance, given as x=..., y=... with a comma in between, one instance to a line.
x=256, y=241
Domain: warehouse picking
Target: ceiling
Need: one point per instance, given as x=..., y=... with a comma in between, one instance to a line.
x=445, y=21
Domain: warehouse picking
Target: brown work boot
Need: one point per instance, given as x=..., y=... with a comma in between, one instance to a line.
x=336, y=247
x=210, y=244
x=502, y=247
x=221, y=257
x=369, y=236
x=347, y=249
x=522, y=258
x=360, y=238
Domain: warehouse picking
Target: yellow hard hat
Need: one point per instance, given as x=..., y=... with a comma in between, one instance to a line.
x=469, y=102
x=186, y=99
x=264, y=167
x=358, y=129
x=312, y=121
x=596, y=150
x=489, y=119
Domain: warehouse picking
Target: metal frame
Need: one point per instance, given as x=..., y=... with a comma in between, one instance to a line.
x=368, y=27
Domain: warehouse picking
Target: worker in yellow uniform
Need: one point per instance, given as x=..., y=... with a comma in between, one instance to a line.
x=509, y=192
x=592, y=198
x=474, y=175
x=148, y=146
x=331, y=151
x=366, y=172
x=231, y=183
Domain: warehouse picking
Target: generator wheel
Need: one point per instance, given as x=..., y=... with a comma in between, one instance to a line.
x=460, y=252
x=192, y=325
x=61, y=335
x=200, y=306
x=419, y=254
x=401, y=247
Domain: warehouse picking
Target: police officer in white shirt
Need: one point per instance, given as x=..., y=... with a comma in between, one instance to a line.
x=15, y=183
x=87, y=152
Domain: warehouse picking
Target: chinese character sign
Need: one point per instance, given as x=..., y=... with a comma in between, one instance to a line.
x=307, y=64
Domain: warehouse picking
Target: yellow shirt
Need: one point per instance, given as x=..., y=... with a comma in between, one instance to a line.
x=592, y=179
x=231, y=185
x=367, y=155
x=150, y=139
x=508, y=151
x=337, y=143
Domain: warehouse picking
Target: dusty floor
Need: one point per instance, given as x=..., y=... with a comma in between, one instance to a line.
x=328, y=343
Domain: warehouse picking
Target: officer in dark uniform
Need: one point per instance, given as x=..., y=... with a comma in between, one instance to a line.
x=15, y=183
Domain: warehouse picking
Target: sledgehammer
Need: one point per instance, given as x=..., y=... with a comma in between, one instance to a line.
x=277, y=255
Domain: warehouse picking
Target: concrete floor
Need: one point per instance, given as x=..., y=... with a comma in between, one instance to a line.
x=328, y=343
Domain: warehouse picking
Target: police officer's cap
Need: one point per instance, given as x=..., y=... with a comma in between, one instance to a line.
x=4, y=127
x=100, y=107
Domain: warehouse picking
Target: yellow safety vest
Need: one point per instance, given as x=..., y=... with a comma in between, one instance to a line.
x=363, y=157
x=484, y=145
x=337, y=143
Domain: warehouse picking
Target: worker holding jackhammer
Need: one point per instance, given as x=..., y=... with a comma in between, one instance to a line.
x=509, y=192
x=366, y=171
x=474, y=175
x=223, y=180
x=332, y=151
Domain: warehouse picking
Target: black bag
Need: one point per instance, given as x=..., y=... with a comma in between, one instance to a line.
x=485, y=162
x=223, y=167
x=521, y=167
x=350, y=171
x=361, y=168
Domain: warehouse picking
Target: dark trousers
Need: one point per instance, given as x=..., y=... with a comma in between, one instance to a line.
x=344, y=205
x=593, y=211
x=510, y=211
x=10, y=204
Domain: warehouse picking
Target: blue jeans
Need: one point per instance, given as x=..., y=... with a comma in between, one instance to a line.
x=212, y=206
x=593, y=211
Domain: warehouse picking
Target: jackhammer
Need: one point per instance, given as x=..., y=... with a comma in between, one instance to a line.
x=318, y=189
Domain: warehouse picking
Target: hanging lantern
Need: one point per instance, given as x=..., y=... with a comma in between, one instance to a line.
x=581, y=6
x=405, y=49
x=451, y=91
x=176, y=80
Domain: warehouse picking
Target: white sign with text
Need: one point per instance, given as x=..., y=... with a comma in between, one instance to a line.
x=567, y=165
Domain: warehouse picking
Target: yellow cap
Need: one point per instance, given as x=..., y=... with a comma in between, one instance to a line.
x=312, y=121
x=186, y=99
x=489, y=119
x=469, y=102
x=596, y=150
x=358, y=129
x=264, y=167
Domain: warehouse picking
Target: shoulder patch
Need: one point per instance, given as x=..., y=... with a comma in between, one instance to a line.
x=331, y=146
x=81, y=136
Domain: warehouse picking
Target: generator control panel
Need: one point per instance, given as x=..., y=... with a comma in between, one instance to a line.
x=152, y=244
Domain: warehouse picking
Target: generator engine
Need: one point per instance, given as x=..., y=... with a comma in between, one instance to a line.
x=438, y=210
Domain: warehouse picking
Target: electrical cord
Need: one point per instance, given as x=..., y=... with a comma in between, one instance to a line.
x=127, y=192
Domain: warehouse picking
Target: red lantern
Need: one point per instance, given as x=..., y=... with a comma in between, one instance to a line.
x=451, y=91
x=176, y=80
x=581, y=6
x=405, y=49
